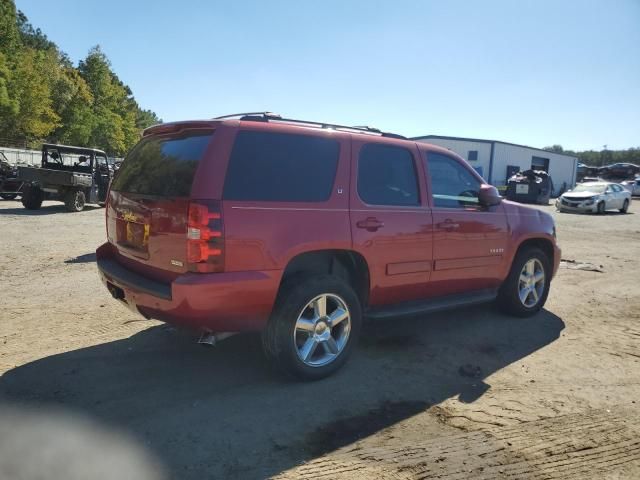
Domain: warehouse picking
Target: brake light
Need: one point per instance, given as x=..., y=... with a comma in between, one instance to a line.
x=205, y=237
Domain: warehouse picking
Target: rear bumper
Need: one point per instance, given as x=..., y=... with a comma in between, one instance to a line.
x=215, y=302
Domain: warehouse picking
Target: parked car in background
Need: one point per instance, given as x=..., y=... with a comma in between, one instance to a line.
x=632, y=185
x=620, y=170
x=300, y=230
x=595, y=197
x=590, y=179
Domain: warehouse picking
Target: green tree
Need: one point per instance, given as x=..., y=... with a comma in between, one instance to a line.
x=113, y=108
x=30, y=87
x=72, y=100
x=9, y=33
x=32, y=37
x=146, y=118
x=42, y=95
x=554, y=148
x=9, y=106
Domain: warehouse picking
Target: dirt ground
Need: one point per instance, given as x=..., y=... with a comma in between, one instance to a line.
x=89, y=390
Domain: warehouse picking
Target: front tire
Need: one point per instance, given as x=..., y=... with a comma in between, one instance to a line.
x=74, y=200
x=313, y=327
x=625, y=206
x=525, y=290
x=601, y=208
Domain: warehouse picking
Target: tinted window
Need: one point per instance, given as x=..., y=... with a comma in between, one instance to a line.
x=452, y=185
x=162, y=166
x=281, y=167
x=473, y=155
x=387, y=176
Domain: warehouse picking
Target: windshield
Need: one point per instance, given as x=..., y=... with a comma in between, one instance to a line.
x=162, y=166
x=591, y=187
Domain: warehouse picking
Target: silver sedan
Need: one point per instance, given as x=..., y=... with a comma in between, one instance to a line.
x=595, y=197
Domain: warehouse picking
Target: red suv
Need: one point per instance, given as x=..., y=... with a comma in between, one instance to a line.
x=303, y=230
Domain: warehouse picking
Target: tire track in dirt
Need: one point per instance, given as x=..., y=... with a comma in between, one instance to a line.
x=97, y=332
x=568, y=446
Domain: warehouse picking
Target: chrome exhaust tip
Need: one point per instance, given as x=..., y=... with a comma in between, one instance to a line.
x=212, y=339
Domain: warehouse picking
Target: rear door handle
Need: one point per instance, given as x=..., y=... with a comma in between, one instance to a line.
x=370, y=224
x=448, y=225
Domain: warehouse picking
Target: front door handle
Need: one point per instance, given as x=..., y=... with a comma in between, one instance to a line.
x=448, y=225
x=371, y=224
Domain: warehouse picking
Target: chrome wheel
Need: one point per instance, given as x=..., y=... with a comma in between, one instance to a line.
x=532, y=283
x=322, y=330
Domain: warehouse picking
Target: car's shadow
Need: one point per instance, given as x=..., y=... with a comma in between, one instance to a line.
x=222, y=413
x=86, y=258
x=606, y=213
x=44, y=210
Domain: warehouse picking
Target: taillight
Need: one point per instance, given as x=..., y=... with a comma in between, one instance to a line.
x=205, y=237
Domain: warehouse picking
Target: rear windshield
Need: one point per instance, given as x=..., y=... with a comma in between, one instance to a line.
x=280, y=167
x=162, y=166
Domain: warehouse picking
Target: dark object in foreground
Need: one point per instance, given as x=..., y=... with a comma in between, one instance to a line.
x=74, y=175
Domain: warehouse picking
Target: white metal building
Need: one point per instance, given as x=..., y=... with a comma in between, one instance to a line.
x=496, y=161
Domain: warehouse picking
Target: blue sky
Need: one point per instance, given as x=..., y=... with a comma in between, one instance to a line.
x=533, y=72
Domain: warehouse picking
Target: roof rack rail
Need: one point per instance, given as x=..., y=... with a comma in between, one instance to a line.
x=270, y=116
x=249, y=114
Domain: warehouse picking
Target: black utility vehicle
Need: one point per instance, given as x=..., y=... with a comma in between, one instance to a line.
x=74, y=175
x=10, y=186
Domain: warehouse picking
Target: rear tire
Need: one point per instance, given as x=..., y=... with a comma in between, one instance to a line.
x=524, y=292
x=74, y=200
x=32, y=198
x=625, y=206
x=304, y=339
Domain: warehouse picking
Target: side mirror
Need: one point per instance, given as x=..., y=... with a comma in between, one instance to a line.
x=488, y=196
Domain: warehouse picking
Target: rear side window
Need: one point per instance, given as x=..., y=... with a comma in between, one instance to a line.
x=162, y=166
x=387, y=176
x=280, y=167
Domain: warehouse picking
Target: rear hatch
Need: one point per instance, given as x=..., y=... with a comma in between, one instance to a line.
x=147, y=213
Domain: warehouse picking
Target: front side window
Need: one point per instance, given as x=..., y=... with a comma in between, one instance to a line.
x=452, y=185
x=387, y=176
x=279, y=167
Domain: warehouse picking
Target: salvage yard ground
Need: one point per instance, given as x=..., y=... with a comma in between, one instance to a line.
x=89, y=390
